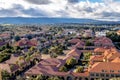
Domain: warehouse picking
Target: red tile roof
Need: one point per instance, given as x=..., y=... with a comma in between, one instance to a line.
x=105, y=67
x=80, y=44
x=74, y=41
x=103, y=41
x=111, y=54
x=51, y=70
x=11, y=62
x=24, y=41
x=11, y=68
x=116, y=60
x=74, y=52
x=5, y=35
x=100, y=49
x=97, y=58
x=45, y=69
x=85, y=74
x=51, y=62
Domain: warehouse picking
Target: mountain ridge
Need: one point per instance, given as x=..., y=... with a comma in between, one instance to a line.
x=47, y=20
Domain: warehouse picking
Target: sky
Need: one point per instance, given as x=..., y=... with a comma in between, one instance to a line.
x=92, y=9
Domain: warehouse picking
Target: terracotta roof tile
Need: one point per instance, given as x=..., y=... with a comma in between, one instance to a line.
x=116, y=60
x=74, y=52
x=100, y=49
x=24, y=41
x=74, y=41
x=107, y=67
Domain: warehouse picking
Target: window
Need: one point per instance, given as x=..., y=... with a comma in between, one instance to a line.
x=112, y=75
x=97, y=74
x=107, y=75
x=118, y=75
x=102, y=75
x=92, y=74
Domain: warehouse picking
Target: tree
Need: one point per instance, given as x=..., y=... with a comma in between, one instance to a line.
x=56, y=50
x=37, y=55
x=87, y=55
x=65, y=47
x=27, y=59
x=40, y=77
x=53, y=55
x=7, y=46
x=2, y=48
x=17, y=38
x=7, y=51
x=16, y=48
x=63, y=69
x=88, y=43
x=4, y=57
x=54, y=78
x=32, y=48
x=29, y=37
x=71, y=62
x=79, y=69
x=113, y=36
x=20, y=78
x=17, y=63
x=21, y=58
x=5, y=75
x=45, y=51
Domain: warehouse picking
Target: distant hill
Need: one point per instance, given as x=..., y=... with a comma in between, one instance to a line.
x=21, y=20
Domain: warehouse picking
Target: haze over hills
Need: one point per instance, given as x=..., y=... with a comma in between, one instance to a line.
x=22, y=20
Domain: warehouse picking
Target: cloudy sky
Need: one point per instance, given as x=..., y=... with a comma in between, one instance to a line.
x=95, y=9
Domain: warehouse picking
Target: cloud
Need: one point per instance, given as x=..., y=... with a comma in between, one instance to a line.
x=61, y=8
x=14, y=11
x=109, y=14
x=38, y=2
x=73, y=1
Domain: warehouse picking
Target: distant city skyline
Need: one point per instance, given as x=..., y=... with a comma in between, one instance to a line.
x=94, y=9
